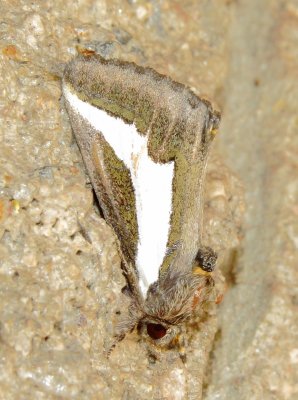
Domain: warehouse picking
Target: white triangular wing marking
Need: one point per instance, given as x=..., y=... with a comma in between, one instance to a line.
x=152, y=183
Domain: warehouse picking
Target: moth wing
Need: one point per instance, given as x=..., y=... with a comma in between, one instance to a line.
x=111, y=181
x=175, y=127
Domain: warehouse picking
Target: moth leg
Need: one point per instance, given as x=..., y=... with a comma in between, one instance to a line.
x=197, y=297
x=220, y=287
x=124, y=327
x=182, y=348
x=180, y=343
x=153, y=355
x=219, y=298
x=117, y=339
x=127, y=325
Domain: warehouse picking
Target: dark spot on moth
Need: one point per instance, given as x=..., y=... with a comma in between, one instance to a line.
x=156, y=331
x=206, y=258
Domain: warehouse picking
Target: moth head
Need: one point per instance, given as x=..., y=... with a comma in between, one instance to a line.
x=159, y=333
x=206, y=259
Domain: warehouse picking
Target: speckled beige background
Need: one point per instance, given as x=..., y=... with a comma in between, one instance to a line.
x=60, y=278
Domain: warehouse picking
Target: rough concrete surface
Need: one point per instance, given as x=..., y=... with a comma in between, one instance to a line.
x=60, y=277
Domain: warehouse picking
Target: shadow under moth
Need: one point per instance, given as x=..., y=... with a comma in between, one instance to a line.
x=145, y=141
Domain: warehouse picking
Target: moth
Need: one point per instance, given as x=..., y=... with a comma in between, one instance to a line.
x=145, y=141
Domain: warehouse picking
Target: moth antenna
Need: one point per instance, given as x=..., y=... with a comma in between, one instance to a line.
x=117, y=339
x=182, y=354
x=181, y=345
x=124, y=327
